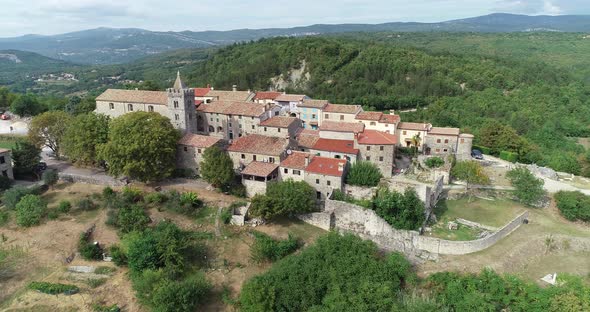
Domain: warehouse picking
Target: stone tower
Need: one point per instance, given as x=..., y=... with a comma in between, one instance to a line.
x=181, y=107
x=464, y=146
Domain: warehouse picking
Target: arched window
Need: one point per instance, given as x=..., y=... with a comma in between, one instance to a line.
x=111, y=105
x=211, y=129
x=150, y=108
x=175, y=104
x=219, y=129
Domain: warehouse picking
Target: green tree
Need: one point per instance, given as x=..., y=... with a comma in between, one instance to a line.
x=142, y=145
x=27, y=105
x=26, y=156
x=6, y=98
x=50, y=177
x=12, y=196
x=401, y=210
x=5, y=183
x=217, y=167
x=284, y=198
x=29, y=210
x=133, y=218
x=529, y=189
x=182, y=296
x=363, y=173
x=573, y=205
x=471, y=172
x=48, y=129
x=85, y=133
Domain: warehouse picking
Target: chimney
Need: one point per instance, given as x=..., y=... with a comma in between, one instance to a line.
x=209, y=86
x=234, y=88
x=392, y=111
x=249, y=91
x=306, y=160
x=340, y=167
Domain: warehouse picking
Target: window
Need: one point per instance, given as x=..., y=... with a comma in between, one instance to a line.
x=276, y=113
x=199, y=151
x=175, y=104
x=296, y=172
x=279, y=130
x=326, y=116
x=462, y=140
x=254, y=157
x=445, y=150
x=264, y=129
x=111, y=106
x=2, y=160
x=318, y=195
x=150, y=108
x=271, y=160
x=368, y=158
x=381, y=158
x=240, y=126
x=317, y=181
x=373, y=123
x=5, y=173
x=405, y=132
x=438, y=141
x=328, y=182
x=341, y=117
x=211, y=129
x=230, y=124
x=130, y=107
x=381, y=148
x=243, y=156
x=252, y=118
x=176, y=117
x=240, y=117
x=446, y=141
x=368, y=148
x=253, y=127
x=211, y=119
x=186, y=149
x=286, y=170
x=312, y=116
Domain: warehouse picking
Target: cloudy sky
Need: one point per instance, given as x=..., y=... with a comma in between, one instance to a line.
x=18, y=17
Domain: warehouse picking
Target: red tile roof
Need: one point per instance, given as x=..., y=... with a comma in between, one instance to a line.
x=296, y=160
x=290, y=97
x=134, y=96
x=307, y=138
x=279, y=122
x=222, y=95
x=414, y=126
x=259, y=144
x=338, y=146
x=196, y=140
x=233, y=108
x=268, y=95
x=374, y=137
x=260, y=169
x=444, y=131
x=201, y=92
x=314, y=103
x=373, y=116
x=327, y=166
x=390, y=119
x=342, y=108
x=354, y=127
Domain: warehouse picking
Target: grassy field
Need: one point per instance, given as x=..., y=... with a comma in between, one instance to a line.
x=495, y=213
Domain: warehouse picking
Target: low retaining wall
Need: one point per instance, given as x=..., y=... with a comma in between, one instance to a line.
x=70, y=177
x=365, y=223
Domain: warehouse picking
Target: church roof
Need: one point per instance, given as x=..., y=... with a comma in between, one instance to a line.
x=134, y=96
x=178, y=85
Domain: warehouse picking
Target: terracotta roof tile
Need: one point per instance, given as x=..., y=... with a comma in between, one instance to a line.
x=339, y=146
x=279, y=122
x=390, y=119
x=267, y=95
x=260, y=169
x=4, y=150
x=233, y=108
x=444, y=131
x=290, y=98
x=307, y=137
x=354, y=127
x=314, y=103
x=414, y=126
x=374, y=137
x=134, y=96
x=342, y=108
x=327, y=166
x=373, y=116
x=229, y=95
x=296, y=160
x=201, y=92
x=197, y=140
x=259, y=144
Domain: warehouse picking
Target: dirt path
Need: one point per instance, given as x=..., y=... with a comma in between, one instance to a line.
x=217, y=217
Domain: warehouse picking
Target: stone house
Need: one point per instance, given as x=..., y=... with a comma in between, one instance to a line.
x=378, y=148
x=338, y=149
x=6, y=163
x=306, y=139
x=446, y=141
x=325, y=175
x=257, y=175
x=256, y=147
x=341, y=112
x=407, y=131
x=266, y=97
x=280, y=126
x=293, y=166
x=340, y=130
x=379, y=121
x=289, y=103
x=190, y=150
x=310, y=113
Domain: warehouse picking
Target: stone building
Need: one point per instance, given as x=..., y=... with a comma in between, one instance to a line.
x=325, y=175
x=266, y=97
x=257, y=175
x=176, y=103
x=293, y=167
x=447, y=141
x=339, y=149
x=379, y=121
x=190, y=150
x=341, y=112
x=290, y=103
x=255, y=147
x=378, y=148
x=6, y=163
x=408, y=130
x=280, y=126
x=340, y=130
x=310, y=112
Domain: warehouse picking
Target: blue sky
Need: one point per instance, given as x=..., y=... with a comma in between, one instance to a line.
x=19, y=17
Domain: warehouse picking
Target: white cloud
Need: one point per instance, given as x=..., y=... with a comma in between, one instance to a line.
x=550, y=8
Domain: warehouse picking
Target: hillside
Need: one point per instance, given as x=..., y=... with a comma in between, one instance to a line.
x=110, y=46
x=18, y=66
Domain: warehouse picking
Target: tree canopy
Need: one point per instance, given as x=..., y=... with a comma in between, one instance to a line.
x=529, y=189
x=284, y=198
x=48, y=129
x=84, y=134
x=401, y=210
x=217, y=167
x=142, y=146
x=363, y=173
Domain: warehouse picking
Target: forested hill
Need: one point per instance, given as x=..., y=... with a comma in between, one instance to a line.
x=18, y=65
x=520, y=105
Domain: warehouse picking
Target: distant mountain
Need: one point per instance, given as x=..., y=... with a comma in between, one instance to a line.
x=111, y=46
x=16, y=66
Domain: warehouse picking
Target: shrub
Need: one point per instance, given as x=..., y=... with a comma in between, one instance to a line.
x=132, y=218
x=226, y=215
x=573, y=205
x=103, y=308
x=155, y=198
x=104, y=270
x=482, y=149
x=29, y=210
x=108, y=192
x=529, y=189
x=88, y=250
x=509, y=156
x=86, y=204
x=118, y=255
x=12, y=196
x=96, y=282
x=401, y=210
x=132, y=195
x=434, y=162
x=363, y=173
x=54, y=289
x=284, y=198
x=5, y=183
x=471, y=172
x=64, y=206
x=182, y=203
x=52, y=214
x=190, y=198
x=217, y=167
x=238, y=190
x=265, y=248
x=50, y=177
x=4, y=217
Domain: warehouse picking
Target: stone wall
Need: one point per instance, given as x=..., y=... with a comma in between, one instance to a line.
x=365, y=223
x=254, y=187
x=97, y=180
x=360, y=192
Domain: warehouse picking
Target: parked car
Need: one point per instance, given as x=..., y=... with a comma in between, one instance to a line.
x=4, y=116
x=477, y=154
x=41, y=166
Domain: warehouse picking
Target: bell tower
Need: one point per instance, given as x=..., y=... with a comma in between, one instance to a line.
x=181, y=107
